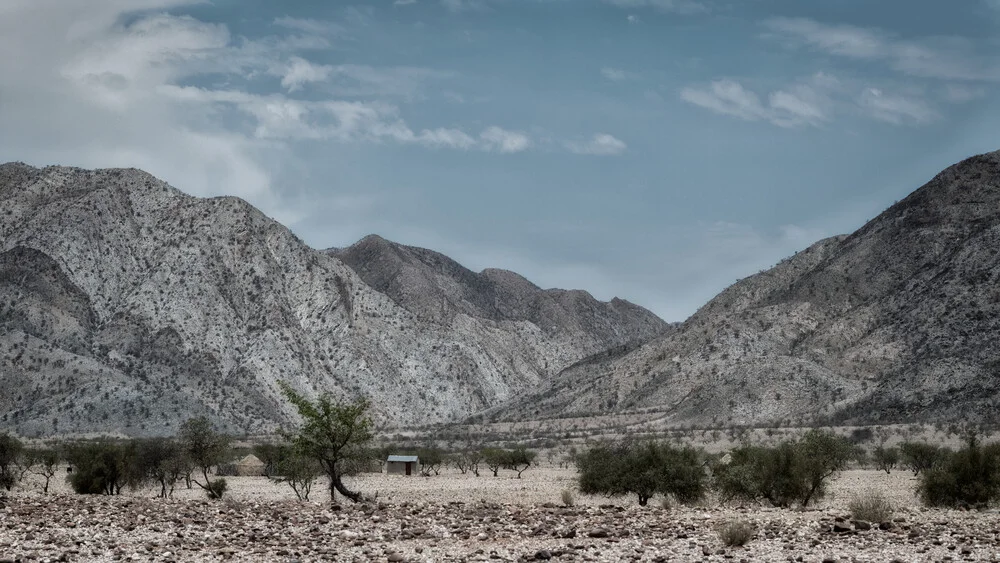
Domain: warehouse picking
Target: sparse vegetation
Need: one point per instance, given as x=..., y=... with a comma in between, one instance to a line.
x=567, y=497
x=292, y=467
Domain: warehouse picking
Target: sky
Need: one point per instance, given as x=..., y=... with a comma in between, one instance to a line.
x=654, y=150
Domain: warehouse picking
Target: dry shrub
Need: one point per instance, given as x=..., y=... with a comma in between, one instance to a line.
x=870, y=505
x=567, y=498
x=736, y=532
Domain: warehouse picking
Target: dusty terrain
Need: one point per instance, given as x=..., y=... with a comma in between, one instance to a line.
x=454, y=517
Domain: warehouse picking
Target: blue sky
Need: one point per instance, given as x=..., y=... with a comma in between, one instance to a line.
x=655, y=150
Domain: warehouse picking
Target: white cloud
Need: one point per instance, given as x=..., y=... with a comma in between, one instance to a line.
x=614, y=74
x=601, y=144
x=500, y=140
x=813, y=101
x=300, y=71
x=961, y=93
x=98, y=84
x=462, y=5
x=727, y=97
x=632, y=18
x=895, y=109
x=676, y=6
x=950, y=58
x=309, y=25
x=404, y=2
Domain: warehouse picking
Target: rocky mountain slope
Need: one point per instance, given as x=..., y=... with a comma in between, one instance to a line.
x=897, y=322
x=126, y=305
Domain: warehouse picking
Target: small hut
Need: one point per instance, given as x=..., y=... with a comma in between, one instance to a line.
x=401, y=464
x=250, y=466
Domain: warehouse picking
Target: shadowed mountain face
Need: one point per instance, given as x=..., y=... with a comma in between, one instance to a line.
x=128, y=306
x=899, y=321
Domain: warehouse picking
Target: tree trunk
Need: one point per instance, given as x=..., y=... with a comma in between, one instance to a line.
x=337, y=486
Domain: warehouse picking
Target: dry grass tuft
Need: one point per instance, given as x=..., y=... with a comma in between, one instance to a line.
x=870, y=505
x=736, y=532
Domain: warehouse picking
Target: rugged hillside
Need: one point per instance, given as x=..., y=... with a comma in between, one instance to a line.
x=899, y=321
x=126, y=305
x=436, y=288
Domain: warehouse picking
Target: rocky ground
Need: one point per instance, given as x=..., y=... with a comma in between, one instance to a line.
x=452, y=517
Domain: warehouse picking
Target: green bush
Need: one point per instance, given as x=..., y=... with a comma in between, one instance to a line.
x=969, y=477
x=921, y=456
x=216, y=488
x=736, y=533
x=786, y=474
x=871, y=506
x=885, y=458
x=643, y=469
x=10, y=455
x=102, y=467
x=297, y=470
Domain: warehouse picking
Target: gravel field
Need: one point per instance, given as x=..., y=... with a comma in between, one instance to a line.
x=454, y=517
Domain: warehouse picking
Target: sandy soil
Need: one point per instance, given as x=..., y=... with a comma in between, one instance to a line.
x=454, y=517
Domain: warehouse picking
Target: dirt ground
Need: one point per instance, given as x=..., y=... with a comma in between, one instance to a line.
x=455, y=517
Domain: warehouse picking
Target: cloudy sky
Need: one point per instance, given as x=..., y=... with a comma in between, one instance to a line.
x=656, y=150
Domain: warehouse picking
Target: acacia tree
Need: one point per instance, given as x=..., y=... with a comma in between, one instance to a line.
x=43, y=462
x=494, y=458
x=295, y=469
x=520, y=459
x=332, y=433
x=205, y=448
x=643, y=469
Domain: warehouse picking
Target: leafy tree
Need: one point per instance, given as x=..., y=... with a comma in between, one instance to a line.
x=643, y=469
x=333, y=434
x=10, y=455
x=431, y=459
x=788, y=473
x=205, y=448
x=969, y=477
x=921, y=456
x=519, y=459
x=885, y=458
x=297, y=470
x=494, y=458
x=102, y=467
x=162, y=461
x=467, y=460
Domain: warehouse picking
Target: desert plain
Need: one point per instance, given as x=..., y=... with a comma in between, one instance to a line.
x=460, y=517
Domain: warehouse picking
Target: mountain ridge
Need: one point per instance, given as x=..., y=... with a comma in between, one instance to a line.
x=198, y=306
x=892, y=323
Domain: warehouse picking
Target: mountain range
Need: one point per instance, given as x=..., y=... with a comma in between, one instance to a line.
x=127, y=306
x=896, y=322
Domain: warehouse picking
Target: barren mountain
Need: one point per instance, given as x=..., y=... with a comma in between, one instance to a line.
x=897, y=322
x=126, y=305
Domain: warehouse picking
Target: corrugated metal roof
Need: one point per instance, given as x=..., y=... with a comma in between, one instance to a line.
x=403, y=458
